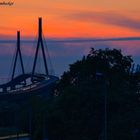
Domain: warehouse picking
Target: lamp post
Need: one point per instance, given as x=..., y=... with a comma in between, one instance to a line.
x=101, y=77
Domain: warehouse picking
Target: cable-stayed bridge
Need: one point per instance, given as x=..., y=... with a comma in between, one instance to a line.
x=33, y=82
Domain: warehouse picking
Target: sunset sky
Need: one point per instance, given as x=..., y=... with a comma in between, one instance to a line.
x=72, y=19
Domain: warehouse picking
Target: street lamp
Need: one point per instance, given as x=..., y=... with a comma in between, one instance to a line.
x=101, y=77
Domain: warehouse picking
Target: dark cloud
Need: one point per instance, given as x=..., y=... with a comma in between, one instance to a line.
x=110, y=18
x=74, y=40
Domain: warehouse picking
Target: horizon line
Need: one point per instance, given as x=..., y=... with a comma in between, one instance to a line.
x=75, y=40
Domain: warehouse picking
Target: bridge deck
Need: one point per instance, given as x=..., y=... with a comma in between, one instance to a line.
x=42, y=84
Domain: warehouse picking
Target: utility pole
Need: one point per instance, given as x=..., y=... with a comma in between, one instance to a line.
x=104, y=83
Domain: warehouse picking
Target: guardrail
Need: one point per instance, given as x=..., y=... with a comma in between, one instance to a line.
x=15, y=136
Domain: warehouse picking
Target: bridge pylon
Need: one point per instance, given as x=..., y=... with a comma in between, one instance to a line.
x=18, y=52
x=40, y=44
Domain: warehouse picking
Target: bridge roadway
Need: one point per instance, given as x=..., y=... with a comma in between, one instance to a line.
x=15, y=137
x=42, y=87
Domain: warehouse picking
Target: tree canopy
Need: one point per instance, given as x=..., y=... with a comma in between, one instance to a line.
x=78, y=112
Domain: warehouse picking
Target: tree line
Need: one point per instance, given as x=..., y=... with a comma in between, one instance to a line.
x=100, y=89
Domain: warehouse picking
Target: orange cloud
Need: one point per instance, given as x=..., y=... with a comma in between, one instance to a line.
x=71, y=18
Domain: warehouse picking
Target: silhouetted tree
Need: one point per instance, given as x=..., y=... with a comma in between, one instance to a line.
x=78, y=111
